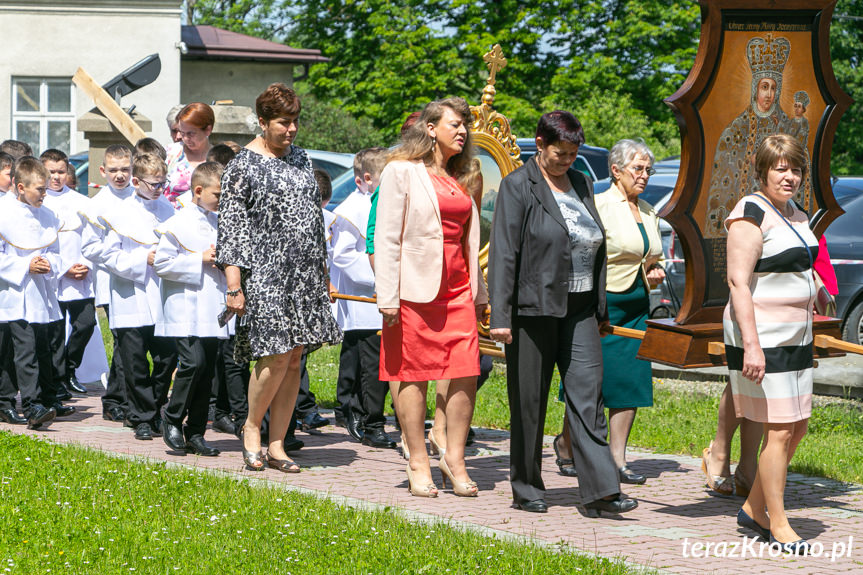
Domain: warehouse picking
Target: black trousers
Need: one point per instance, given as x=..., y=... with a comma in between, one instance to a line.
x=8, y=376
x=146, y=391
x=231, y=384
x=68, y=354
x=190, y=395
x=348, y=386
x=373, y=390
x=115, y=392
x=33, y=369
x=571, y=343
x=307, y=403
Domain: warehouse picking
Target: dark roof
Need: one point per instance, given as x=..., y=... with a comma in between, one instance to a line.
x=211, y=43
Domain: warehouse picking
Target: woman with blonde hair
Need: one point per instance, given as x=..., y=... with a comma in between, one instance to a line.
x=429, y=285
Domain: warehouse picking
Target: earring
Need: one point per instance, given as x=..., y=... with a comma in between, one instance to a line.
x=434, y=143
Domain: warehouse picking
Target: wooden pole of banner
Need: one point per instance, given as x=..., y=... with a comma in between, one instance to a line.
x=106, y=104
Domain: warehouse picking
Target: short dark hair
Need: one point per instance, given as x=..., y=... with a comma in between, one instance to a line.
x=120, y=151
x=560, y=126
x=53, y=155
x=27, y=169
x=150, y=146
x=221, y=153
x=325, y=185
x=779, y=147
x=207, y=174
x=277, y=101
x=6, y=161
x=16, y=148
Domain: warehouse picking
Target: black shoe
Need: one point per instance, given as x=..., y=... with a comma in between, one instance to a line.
x=566, y=465
x=292, y=443
x=535, y=506
x=12, y=416
x=744, y=520
x=64, y=410
x=114, y=413
x=377, y=437
x=196, y=445
x=629, y=476
x=63, y=393
x=39, y=415
x=225, y=425
x=620, y=505
x=143, y=432
x=340, y=419
x=313, y=421
x=354, y=427
x=799, y=547
x=156, y=425
x=173, y=437
x=74, y=385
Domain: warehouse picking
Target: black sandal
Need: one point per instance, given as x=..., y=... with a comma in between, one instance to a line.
x=283, y=465
x=566, y=466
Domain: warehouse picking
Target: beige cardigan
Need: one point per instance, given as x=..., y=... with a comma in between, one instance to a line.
x=624, y=243
x=409, y=239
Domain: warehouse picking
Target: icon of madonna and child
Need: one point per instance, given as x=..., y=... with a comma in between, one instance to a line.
x=733, y=173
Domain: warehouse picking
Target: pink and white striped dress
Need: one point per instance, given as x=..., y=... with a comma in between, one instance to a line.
x=783, y=294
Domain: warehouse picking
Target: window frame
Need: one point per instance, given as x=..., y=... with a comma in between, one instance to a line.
x=42, y=115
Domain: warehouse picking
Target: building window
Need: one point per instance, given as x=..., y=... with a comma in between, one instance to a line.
x=43, y=113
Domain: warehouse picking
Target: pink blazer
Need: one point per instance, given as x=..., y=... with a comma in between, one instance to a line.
x=409, y=239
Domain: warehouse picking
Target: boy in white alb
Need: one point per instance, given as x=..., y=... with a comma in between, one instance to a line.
x=193, y=296
x=351, y=274
x=29, y=260
x=75, y=289
x=8, y=382
x=128, y=253
x=116, y=168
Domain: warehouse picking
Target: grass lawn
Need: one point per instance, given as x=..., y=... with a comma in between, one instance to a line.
x=68, y=509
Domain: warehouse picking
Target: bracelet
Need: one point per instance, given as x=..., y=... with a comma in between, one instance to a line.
x=234, y=292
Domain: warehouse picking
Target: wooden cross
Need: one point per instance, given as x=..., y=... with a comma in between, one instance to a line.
x=495, y=61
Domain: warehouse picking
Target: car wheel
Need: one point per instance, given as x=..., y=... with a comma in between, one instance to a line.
x=853, y=331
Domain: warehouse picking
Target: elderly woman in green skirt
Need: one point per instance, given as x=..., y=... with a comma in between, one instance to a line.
x=634, y=267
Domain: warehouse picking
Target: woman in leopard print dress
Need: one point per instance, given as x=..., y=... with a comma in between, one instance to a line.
x=271, y=245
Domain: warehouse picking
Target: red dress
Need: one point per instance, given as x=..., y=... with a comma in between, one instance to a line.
x=438, y=340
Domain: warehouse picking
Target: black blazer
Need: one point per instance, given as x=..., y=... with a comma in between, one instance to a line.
x=529, y=259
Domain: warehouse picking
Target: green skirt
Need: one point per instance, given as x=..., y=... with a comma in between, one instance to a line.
x=626, y=381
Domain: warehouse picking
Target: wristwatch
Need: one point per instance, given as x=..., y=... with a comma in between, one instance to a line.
x=233, y=292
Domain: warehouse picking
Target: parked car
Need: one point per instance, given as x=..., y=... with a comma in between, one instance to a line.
x=591, y=160
x=333, y=163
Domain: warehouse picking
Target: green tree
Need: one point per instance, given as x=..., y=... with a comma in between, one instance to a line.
x=846, y=38
x=261, y=18
x=327, y=127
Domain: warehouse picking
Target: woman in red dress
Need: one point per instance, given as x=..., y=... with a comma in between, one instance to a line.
x=429, y=286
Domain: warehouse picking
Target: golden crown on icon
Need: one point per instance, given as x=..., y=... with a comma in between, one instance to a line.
x=768, y=56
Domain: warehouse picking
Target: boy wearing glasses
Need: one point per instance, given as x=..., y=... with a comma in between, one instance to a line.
x=128, y=252
x=75, y=285
x=116, y=168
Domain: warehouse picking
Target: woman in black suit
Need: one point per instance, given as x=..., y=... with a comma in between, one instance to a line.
x=547, y=287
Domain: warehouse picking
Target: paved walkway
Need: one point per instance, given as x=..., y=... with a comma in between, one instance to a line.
x=675, y=510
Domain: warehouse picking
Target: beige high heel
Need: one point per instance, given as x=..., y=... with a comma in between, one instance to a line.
x=435, y=446
x=460, y=488
x=429, y=490
x=406, y=453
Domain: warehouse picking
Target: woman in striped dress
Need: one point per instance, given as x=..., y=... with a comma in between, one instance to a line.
x=768, y=327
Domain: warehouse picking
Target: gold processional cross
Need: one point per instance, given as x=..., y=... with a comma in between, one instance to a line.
x=495, y=60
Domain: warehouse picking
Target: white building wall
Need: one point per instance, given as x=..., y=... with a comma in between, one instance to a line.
x=41, y=38
x=242, y=82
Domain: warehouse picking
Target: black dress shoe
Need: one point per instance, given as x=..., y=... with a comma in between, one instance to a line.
x=354, y=427
x=629, y=476
x=74, y=385
x=143, y=432
x=114, y=413
x=39, y=416
x=11, y=416
x=63, y=393
x=173, y=437
x=198, y=446
x=225, y=424
x=313, y=421
x=535, y=506
x=292, y=443
x=64, y=410
x=377, y=437
x=620, y=505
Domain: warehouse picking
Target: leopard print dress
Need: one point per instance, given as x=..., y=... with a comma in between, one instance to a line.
x=271, y=227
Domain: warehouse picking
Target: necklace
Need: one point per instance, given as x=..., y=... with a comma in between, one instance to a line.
x=447, y=182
